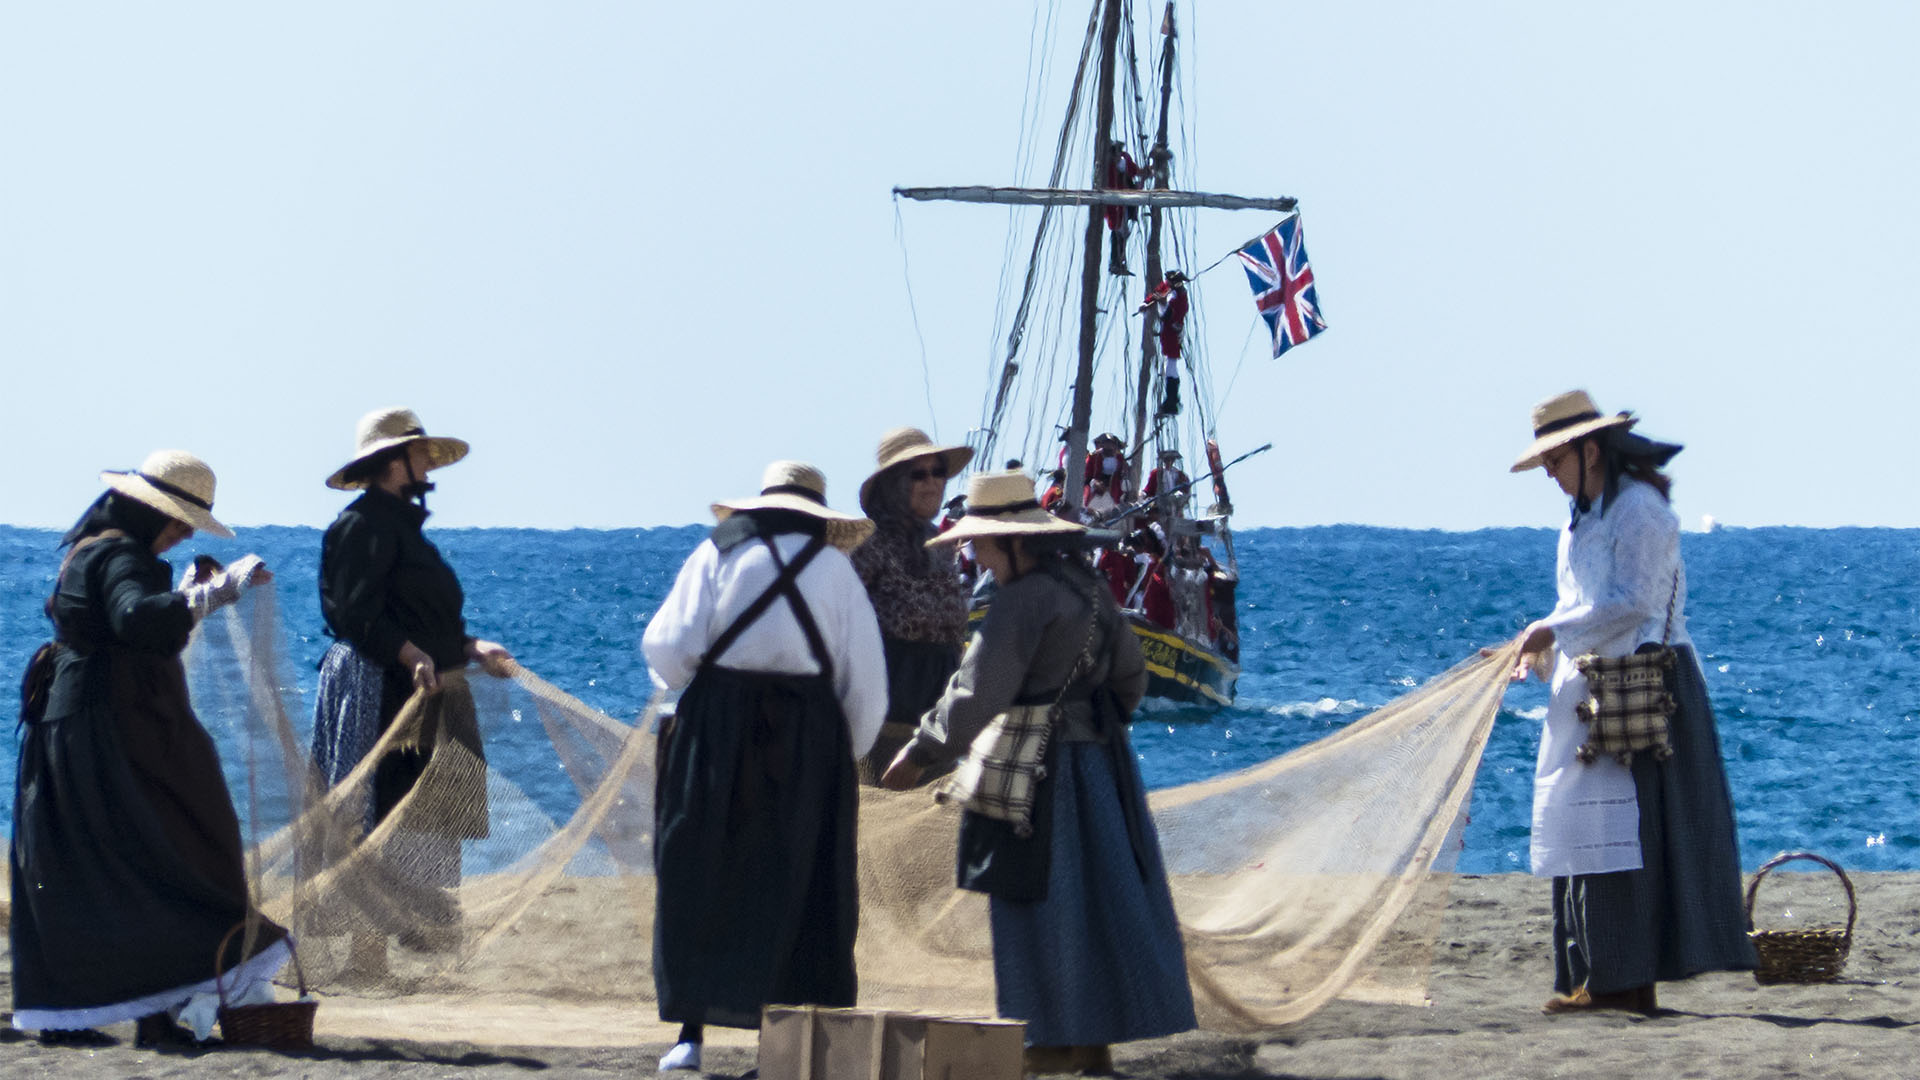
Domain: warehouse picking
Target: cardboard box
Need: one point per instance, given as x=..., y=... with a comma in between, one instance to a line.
x=805, y=1042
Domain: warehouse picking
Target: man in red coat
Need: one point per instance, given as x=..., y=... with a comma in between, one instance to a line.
x=1171, y=298
x=1055, y=500
x=1106, y=469
x=1167, y=476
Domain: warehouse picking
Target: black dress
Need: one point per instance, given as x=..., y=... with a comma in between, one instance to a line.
x=126, y=858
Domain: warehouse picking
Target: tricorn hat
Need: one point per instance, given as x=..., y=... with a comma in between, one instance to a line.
x=798, y=486
x=384, y=429
x=1003, y=504
x=175, y=483
x=1563, y=418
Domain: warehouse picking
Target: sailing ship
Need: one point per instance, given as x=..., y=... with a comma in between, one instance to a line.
x=1171, y=559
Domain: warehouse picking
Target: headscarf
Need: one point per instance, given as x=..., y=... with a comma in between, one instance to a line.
x=1624, y=453
x=115, y=511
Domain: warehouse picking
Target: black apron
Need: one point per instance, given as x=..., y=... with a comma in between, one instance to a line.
x=756, y=900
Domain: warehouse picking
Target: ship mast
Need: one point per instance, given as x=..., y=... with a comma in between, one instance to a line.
x=1149, y=320
x=1090, y=266
x=1096, y=199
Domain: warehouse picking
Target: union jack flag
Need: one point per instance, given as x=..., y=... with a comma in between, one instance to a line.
x=1283, y=285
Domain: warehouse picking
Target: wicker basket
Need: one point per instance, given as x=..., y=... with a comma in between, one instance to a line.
x=280, y=1025
x=1801, y=956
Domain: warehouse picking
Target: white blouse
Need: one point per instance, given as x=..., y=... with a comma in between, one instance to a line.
x=713, y=589
x=1615, y=573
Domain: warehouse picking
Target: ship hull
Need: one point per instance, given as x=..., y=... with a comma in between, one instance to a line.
x=1179, y=669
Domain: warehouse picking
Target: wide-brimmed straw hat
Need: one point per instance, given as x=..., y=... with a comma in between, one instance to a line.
x=905, y=444
x=1003, y=504
x=175, y=483
x=1563, y=418
x=384, y=429
x=796, y=485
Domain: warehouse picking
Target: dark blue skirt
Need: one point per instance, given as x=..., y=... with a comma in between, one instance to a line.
x=1682, y=912
x=1100, y=959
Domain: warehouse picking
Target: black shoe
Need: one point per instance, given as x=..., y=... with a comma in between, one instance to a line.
x=158, y=1031
x=84, y=1037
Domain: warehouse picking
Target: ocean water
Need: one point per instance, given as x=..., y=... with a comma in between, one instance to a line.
x=1810, y=640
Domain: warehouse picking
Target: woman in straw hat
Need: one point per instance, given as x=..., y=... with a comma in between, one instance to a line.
x=125, y=864
x=395, y=610
x=771, y=637
x=1643, y=857
x=1086, y=948
x=917, y=592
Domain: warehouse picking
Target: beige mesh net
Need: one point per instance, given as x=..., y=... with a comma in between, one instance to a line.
x=1314, y=875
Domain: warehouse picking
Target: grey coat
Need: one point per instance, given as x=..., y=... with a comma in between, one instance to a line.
x=1025, y=649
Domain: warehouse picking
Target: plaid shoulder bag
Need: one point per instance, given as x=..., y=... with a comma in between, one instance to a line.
x=1001, y=774
x=1629, y=701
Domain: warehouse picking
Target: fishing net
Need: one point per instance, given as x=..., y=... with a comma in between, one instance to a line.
x=518, y=908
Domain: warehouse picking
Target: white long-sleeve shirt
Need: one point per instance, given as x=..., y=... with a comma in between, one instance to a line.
x=714, y=588
x=1615, y=574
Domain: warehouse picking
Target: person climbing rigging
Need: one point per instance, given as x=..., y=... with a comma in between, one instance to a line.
x=1170, y=296
x=1123, y=174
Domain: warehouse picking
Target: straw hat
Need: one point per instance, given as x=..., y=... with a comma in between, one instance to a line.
x=1563, y=418
x=796, y=485
x=905, y=444
x=1002, y=504
x=175, y=483
x=384, y=429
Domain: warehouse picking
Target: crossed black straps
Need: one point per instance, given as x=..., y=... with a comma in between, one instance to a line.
x=785, y=584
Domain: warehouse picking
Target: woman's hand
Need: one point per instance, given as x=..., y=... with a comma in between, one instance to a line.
x=208, y=586
x=248, y=571
x=1535, y=641
x=492, y=657
x=902, y=774
x=420, y=666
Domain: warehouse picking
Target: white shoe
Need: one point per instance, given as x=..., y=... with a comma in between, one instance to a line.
x=684, y=1055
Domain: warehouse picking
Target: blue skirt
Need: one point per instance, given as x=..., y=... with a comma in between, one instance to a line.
x=1100, y=959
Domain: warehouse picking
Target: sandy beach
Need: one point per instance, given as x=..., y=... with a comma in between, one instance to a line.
x=1491, y=972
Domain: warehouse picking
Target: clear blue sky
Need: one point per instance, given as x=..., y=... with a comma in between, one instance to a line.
x=632, y=251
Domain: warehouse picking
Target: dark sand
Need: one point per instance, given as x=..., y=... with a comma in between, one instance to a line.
x=1491, y=972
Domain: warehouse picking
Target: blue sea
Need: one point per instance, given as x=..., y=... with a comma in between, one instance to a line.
x=1810, y=639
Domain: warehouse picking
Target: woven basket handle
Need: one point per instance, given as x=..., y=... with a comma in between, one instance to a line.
x=1753, y=888
x=299, y=973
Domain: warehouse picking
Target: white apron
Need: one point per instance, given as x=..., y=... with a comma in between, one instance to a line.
x=1617, y=574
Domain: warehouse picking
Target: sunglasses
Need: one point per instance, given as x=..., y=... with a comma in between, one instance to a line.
x=936, y=473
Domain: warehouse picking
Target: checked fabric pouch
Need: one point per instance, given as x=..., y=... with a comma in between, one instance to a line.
x=1628, y=705
x=1000, y=776
x=1629, y=698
